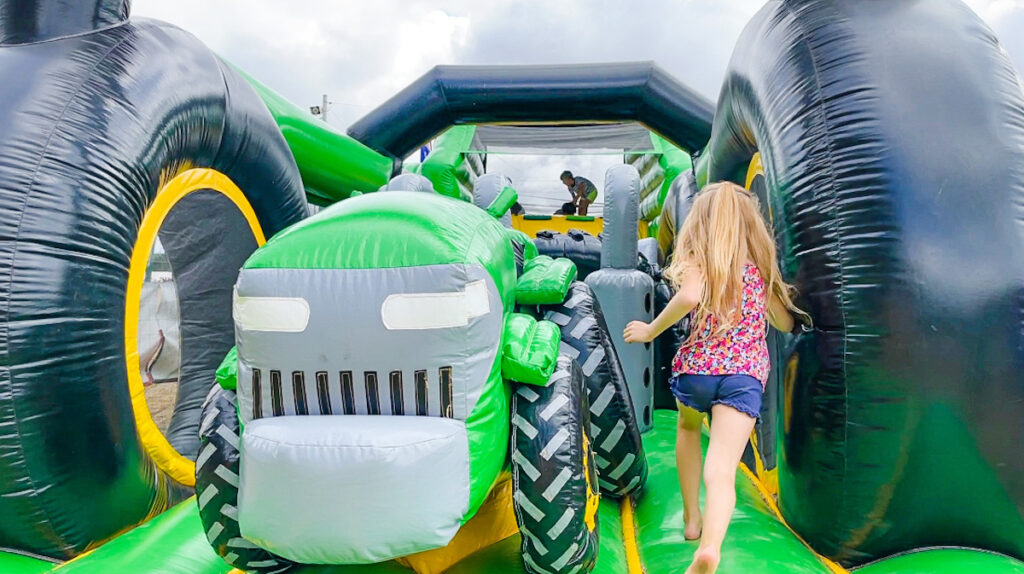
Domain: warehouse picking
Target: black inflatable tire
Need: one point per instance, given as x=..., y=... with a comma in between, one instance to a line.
x=865, y=447
x=217, y=488
x=579, y=246
x=554, y=475
x=97, y=128
x=621, y=463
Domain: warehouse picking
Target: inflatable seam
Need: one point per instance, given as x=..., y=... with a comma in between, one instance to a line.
x=75, y=35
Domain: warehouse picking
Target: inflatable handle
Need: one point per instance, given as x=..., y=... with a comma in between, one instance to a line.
x=486, y=191
x=501, y=204
x=621, y=217
x=530, y=350
x=545, y=281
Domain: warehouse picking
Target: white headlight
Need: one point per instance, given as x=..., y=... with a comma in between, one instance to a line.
x=407, y=311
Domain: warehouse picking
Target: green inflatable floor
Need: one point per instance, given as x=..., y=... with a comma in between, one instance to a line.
x=757, y=541
x=174, y=543
x=17, y=564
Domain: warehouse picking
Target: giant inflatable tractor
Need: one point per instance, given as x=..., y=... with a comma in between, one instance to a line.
x=373, y=383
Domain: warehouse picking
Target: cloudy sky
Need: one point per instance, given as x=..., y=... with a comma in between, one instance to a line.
x=361, y=52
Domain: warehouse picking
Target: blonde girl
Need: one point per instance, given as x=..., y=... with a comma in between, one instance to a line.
x=726, y=274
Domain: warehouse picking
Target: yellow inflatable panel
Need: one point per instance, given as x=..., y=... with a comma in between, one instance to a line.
x=531, y=224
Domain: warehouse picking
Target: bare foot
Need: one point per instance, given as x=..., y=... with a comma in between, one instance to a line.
x=693, y=529
x=705, y=561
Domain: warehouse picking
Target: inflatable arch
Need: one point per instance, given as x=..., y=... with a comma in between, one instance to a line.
x=454, y=95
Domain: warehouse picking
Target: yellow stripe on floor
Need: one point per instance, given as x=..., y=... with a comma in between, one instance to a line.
x=629, y=540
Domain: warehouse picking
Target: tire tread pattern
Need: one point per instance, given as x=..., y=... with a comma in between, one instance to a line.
x=554, y=478
x=621, y=462
x=217, y=472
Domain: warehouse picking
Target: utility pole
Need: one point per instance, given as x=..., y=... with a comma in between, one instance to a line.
x=320, y=110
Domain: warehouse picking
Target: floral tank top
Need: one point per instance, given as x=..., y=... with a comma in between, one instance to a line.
x=742, y=350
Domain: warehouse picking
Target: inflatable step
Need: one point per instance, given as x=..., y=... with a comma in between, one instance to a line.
x=173, y=543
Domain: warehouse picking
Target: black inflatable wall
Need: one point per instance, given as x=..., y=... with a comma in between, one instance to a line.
x=579, y=246
x=94, y=121
x=673, y=213
x=892, y=136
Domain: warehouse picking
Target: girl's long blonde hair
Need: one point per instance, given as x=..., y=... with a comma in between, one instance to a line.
x=723, y=230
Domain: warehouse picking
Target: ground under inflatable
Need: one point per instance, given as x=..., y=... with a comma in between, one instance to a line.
x=197, y=375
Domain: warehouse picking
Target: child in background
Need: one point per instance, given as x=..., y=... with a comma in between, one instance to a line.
x=725, y=273
x=583, y=192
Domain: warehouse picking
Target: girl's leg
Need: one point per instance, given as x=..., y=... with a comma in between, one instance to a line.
x=688, y=464
x=730, y=430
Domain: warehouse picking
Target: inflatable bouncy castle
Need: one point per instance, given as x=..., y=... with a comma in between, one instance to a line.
x=234, y=339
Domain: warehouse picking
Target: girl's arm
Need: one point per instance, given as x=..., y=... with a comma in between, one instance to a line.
x=779, y=316
x=678, y=307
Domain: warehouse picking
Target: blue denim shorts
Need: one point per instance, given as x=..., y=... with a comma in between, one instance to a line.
x=701, y=392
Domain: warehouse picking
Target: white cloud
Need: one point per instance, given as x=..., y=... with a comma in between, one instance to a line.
x=993, y=10
x=363, y=52
x=434, y=37
x=1006, y=17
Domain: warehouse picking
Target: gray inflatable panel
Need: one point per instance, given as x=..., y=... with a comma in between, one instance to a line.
x=353, y=489
x=370, y=342
x=487, y=188
x=621, y=217
x=624, y=293
x=628, y=295
x=409, y=182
